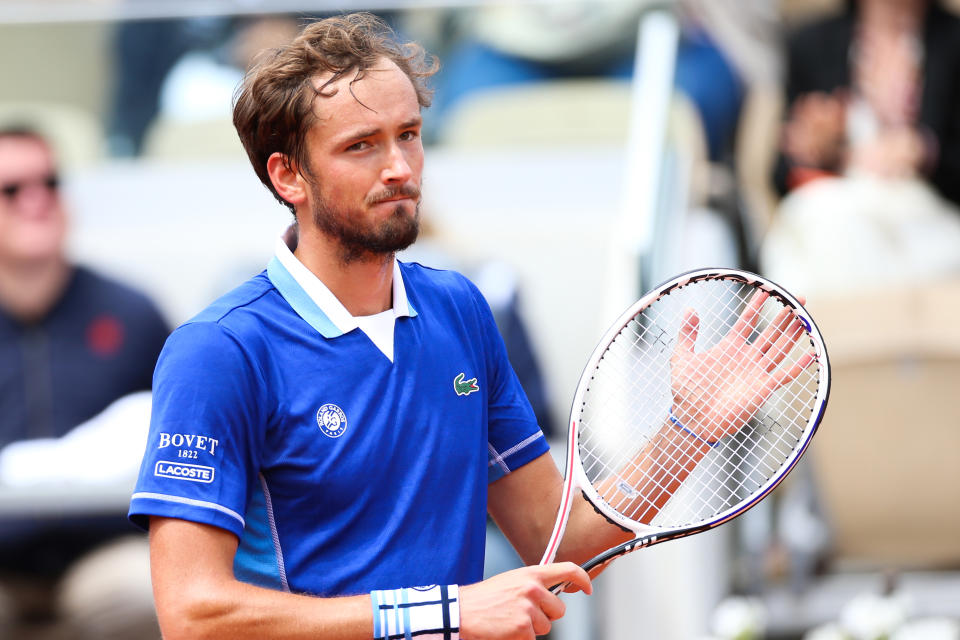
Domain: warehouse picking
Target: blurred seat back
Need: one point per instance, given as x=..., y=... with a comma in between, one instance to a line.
x=75, y=133
x=551, y=112
x=887, y=457
x=194, y=140
x=585, y=113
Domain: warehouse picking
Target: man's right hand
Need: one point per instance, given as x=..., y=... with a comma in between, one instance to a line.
x=518, y=604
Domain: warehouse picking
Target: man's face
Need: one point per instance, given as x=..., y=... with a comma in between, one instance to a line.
x=366, y=160
x=32, y=218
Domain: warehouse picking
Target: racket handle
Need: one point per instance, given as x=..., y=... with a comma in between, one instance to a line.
x=588, y=567
x=558, y=588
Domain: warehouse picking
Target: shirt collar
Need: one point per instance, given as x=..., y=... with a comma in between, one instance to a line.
x=313, y=301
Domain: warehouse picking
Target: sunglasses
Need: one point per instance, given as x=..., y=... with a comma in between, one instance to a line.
x=12, y=190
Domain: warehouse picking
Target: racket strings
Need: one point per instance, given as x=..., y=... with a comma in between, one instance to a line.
x=662, y=476
x=724, y=484
x=630, y=396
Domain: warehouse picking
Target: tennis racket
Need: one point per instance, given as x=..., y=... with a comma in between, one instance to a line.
x=696, y=403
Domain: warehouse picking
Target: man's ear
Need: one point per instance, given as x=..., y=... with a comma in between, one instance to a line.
x=286, y=179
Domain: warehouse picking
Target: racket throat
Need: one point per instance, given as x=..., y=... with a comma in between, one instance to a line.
x=605, y=516
x=602, y=560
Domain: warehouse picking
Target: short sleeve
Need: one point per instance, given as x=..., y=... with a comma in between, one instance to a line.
x=514, y=437
x=206, y=429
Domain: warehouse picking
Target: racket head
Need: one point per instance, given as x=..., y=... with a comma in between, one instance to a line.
x=624, y=398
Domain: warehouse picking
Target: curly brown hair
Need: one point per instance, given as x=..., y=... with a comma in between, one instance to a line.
x=273, y=107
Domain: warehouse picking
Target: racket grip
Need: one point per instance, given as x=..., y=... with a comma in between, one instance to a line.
x=597, y=568
x=558, y=588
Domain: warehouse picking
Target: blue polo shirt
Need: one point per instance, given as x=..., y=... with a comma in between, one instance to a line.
x=339, y=468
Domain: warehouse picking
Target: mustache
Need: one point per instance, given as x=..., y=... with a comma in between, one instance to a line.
x=404, y=190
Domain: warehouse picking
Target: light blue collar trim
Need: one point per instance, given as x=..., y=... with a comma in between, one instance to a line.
x=302, y=303
x=313, y=301
x=401, y=303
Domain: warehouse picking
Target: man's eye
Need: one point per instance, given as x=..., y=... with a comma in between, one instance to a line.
x=408, y=135
x=358, y=146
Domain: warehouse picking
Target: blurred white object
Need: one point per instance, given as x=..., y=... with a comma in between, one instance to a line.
x=928, y=629
x=835, y=235
x=106, y=449
x=874, y=617
x=561, y=31
x=199, y=88
x=830, y=631
x=739, y=619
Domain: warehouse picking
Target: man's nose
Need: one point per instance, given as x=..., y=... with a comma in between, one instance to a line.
x=397, y=168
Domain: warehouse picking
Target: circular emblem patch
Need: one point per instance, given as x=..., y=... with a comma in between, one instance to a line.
x=332, y=420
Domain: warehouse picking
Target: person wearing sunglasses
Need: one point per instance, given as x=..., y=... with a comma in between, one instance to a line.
x=71, y=343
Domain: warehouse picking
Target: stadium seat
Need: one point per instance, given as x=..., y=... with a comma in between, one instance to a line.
x=195, y=140
x=887, y=460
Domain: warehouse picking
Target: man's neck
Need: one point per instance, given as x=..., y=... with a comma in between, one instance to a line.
x=28, y=291
x=364, y=286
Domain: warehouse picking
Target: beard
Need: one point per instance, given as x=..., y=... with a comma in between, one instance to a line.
x=365, y=241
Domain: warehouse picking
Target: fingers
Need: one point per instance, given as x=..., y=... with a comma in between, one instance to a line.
x=748, y=319
x=518, y=604
x=785, y=343
x=540, y=622
x=566, y=572
x=553, y=607
x=687, y=337
x=785, y=375
x=774, y=330
x=780, y=335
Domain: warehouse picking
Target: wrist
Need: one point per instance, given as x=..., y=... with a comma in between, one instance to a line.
x=680, y=426
x=426, y=613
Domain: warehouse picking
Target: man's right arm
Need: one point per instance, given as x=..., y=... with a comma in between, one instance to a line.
x=197, y=596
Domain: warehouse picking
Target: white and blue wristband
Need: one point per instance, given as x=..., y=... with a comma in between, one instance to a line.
x=425, y=613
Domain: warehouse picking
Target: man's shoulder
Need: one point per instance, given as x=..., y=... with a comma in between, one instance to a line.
x=429, y=280
x=236, y=322
x=232, y=308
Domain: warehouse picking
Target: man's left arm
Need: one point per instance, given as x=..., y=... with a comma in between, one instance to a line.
x=524, y=505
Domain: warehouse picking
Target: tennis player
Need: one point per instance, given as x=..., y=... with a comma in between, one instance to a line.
x=328, y=438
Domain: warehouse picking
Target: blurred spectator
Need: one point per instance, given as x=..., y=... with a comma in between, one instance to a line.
x=870, y=150
x=876, y=89
x=727, y=47
x=512, y=44
x=71, y=342
x=183, y=69
x=201, y=84
x=869, y=165
x=145, y=51
x=507, y=44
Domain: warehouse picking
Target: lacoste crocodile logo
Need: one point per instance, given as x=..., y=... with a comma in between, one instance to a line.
x=465, y=388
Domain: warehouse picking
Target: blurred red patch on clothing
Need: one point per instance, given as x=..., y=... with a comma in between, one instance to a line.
x=105, y=336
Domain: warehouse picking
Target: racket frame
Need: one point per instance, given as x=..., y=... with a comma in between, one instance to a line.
x=647, y=535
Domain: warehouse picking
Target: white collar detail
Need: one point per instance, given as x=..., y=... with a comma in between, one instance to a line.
x=376, y=327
